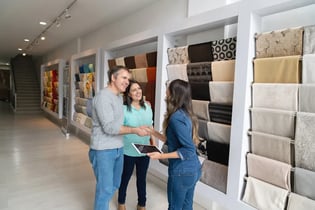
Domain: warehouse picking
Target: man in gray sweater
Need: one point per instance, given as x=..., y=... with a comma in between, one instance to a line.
x=106, y=147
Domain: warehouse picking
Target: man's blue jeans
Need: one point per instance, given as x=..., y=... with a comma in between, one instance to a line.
x=107, y=165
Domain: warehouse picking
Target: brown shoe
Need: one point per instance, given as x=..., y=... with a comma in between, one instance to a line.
x=140, y=207
x=121, y=207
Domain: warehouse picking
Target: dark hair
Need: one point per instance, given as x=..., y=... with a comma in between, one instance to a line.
x=128, y=99
x=114, y=71
x=180, y=98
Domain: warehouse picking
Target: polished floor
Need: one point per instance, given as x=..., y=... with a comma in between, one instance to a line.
x=42, y=170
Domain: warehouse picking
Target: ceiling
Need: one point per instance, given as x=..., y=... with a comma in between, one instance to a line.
x=20, y=20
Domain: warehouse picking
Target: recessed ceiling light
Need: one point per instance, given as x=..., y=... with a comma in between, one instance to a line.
x=24, y=54
x=43, y=38
x=20, y=49
x=43, y=23
x=27, y=40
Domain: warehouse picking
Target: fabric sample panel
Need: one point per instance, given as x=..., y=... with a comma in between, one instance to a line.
x=199, y=72
x=150, y=93
x=273, y=121
x=201, y=109
x=305, y=141
x=111, y=63
x=141, y=61
x=120, y=61
x=279, y=43
x=298, y=202
x=218, y=152
x=177, y=71
x=151, y=59
x=304, y=182
x=277, y=70
x=309, y=40
x=308, y=69
x=130, y=62
x=140, y=74
x=200, y=90
x=214, y=174
x=223, y=70
x=221, y=92
x=276, y=96
x=306, y=98
x=203, y=129
x=268, y=170
x=200, y=52
x=224, y=49
x=271, y=146
x=220, y=113
x=151, y=74
x=178, y=55
x=219, y=132
x=264, y=196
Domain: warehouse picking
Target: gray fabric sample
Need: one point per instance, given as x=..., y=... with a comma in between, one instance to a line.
x=275, y=96
x=203, y=129
x=306, y=98
x=201, y=109
x=305, y=141
x=309, y=40
x=273, y=121
x=308, y=69
x=271, y=146
x=221, y=92
x=297, y=202
x=304, y=182
x=219, y=132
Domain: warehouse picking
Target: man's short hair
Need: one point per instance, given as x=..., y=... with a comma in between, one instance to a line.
x=114, y=71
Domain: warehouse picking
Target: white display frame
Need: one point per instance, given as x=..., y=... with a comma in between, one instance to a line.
x=94, y=55
x=60, y=64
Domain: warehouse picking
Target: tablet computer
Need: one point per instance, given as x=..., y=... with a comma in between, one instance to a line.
x=144, y=149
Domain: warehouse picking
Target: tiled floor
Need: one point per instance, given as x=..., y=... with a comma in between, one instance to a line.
x=42, y=170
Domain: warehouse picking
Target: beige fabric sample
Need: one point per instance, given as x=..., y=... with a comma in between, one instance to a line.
x=268, y=170
x=309, y=40
x=264, y=196
x=223, y=70
x=141, y=61
x=177, y=71
x=298, y=202
x=307, y=97
x=120, y=61
x=140, y=74
x=276, y=96
x=221, y=92
x=273, y=121
x=305, y=140
x=304, y=182
x=277, y=70
x=214, y=174
x=201, y=109
x=278, y=43
x=308, y=69
x=219, y=132
x=178, y=55
x=271, y=146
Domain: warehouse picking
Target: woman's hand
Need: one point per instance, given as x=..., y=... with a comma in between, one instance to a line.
x=155, y=155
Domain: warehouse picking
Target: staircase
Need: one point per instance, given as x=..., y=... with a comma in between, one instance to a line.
x=27, y=85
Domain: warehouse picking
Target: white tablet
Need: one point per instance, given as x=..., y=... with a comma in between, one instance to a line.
x=144, y=149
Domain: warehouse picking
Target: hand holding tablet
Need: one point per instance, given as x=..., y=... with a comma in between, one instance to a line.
x=144, y=149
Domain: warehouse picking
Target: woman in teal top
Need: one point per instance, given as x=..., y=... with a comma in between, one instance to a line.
x=137, y=112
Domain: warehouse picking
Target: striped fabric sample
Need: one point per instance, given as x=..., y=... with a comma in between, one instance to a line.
x=264, y=196
x=271, y=146
x=308, y=69
x=177, y=71
x=276, y=96
x=305, y=140
x=297, y=202
x=221, y=92
x=224, y=49
x=277, y=70
x=200, y=52
x=309, y=40
x=199, y=72
x=219, y=132
x=214, y=174
x=279, y=43
x=268, y=170
x=223, y=70
x=178, y=55
x=306, y=98
x=304, y=182
x=272, y=121
x=141, y=61
x=220, y=113
x=201, y=109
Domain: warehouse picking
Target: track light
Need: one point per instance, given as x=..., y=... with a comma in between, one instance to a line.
x=58, y=23
x=67, y=14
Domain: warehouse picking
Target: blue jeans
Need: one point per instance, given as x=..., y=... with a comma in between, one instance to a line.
x=142, y=164
x=107, y=165
x=180, y=191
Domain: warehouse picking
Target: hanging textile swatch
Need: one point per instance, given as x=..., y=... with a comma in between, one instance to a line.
x=304, y=182
x=309, y=40
x=308, y=69
x=224, y=49
x=178, y=55
x=223, y=70
x=221, y=92
x=177, y=71
x=199, y=72
x=219, y=132
x=297, y=202
x=200, y=52
x=306, y=98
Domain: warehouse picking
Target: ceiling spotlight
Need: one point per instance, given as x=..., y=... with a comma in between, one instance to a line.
x=19, y=49
x=43, y=38
x=26, y=40
x=24, y=54
x=67, y=14
x=43, y=23
x=58, y=23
